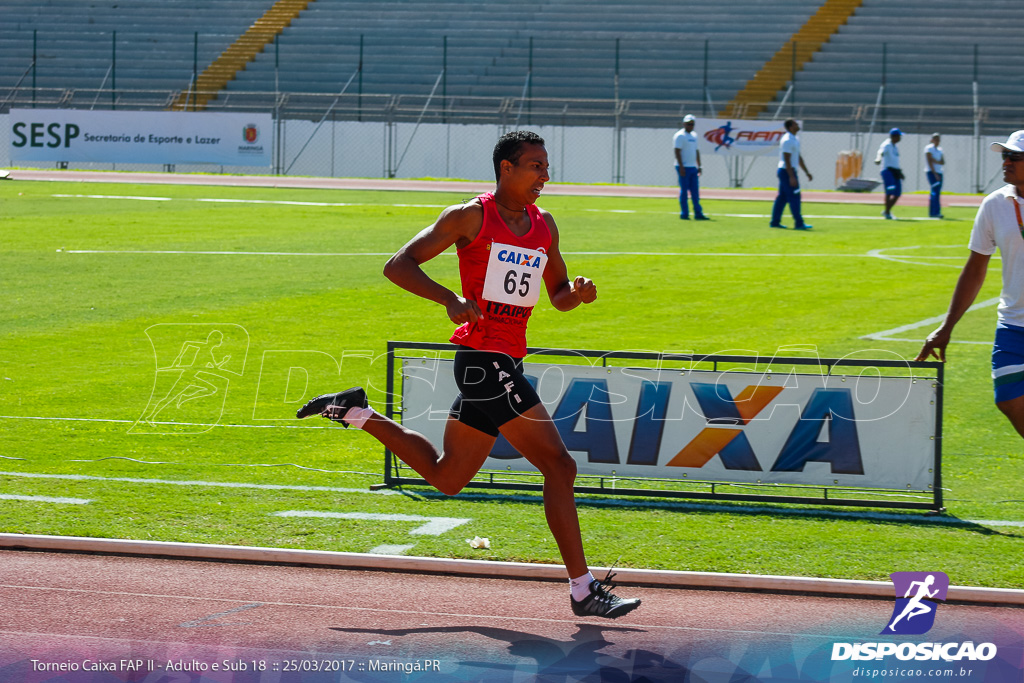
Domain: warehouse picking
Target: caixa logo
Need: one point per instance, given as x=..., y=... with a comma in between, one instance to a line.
x=827, y=410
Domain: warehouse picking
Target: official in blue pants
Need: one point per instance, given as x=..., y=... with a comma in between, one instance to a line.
x=935, y=162
x=688, y=169
x=789, y=183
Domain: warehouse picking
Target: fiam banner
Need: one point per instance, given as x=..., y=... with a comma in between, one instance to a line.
x=138, y=137
x=863, y=430
x=731, y=137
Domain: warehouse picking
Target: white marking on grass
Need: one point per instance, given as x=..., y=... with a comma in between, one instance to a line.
x=46, y=499
x=218, y=200
x=610, y=502
x=435, y=526
x=114, y=196
x=391, y=549
x=916, y=259
x=284, y=202
x=178, y=424
x=886, y=335
x=192, y=482
x=376, y=254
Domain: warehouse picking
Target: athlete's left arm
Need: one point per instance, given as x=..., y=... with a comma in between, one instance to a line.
x=564, y=295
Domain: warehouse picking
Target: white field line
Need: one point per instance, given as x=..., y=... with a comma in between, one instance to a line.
x=434, y=526
x=610, y=502
x=886, y=335
x=46, y=499
x=283, y=202
x=176, y=424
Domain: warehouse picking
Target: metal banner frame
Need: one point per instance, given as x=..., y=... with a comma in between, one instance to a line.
x=397, y=473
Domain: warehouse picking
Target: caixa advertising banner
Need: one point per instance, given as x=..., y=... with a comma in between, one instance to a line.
x=731, y=137
x=141, y=137
x=862, y=430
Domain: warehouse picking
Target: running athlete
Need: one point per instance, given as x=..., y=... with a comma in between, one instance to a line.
x=506, y=248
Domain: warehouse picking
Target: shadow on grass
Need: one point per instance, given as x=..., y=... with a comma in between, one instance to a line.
x=770, y=510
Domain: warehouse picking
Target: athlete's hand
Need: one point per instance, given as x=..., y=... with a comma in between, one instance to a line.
x=585, y=289
x=935, y=345
x=462, y=311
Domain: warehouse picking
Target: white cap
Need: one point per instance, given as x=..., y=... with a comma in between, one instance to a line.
x=1014, y=143
x=688, y=118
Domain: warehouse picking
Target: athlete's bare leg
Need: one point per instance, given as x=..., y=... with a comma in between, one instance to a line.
x=1014, y=410
x=465, y=450
x=534, y=435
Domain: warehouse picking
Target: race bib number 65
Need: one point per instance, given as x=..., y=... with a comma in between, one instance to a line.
x=514, y=275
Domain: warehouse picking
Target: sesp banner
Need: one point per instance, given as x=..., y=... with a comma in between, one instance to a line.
x=732, y=137
x=141, y=137
x=863, y=430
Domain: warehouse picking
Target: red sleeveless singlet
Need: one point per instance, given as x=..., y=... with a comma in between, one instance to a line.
x=510, y=269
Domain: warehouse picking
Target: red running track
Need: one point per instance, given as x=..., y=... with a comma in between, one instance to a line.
x=279, y=623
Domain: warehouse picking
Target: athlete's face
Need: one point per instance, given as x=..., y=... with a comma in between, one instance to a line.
x=527, y=176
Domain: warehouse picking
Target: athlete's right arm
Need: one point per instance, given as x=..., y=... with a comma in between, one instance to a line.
x=972, y=277
x=458, y=225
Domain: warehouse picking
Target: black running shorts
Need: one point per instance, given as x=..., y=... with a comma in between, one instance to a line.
x=493, y=389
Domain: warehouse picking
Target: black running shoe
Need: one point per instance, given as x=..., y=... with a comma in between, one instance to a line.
x=601, y=602
x=350, y=398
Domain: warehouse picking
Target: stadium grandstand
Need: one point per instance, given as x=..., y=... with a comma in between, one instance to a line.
x=833, y=63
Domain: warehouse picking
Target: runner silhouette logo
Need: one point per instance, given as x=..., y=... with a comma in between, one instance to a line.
x=917, y=596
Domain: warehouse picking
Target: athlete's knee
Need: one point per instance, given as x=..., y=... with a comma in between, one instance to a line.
x=452, y=487
x=559, y=466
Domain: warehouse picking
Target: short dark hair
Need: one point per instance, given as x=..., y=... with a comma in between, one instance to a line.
x=510, y=147
x=788, y=123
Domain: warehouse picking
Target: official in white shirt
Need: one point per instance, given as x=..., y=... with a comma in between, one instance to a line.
x=998, y=225
x=688, y=169
x=935, y=162
x=892, y=174
x=789, y=184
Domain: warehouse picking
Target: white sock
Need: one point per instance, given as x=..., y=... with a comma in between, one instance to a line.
x=581, y=587
x=357, y=417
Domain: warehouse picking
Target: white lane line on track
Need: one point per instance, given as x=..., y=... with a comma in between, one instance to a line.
x=613, y=502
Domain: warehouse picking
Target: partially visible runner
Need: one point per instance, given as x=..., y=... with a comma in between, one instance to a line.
x=506, y=246
x=998, y=225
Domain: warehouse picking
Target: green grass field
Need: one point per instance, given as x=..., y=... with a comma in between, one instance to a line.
x=77, y=371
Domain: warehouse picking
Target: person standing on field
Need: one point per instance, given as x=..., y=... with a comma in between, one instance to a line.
x=688, y=169
x=998, y=225
x=935, y=162
x=789, y=183
x=892, y=174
